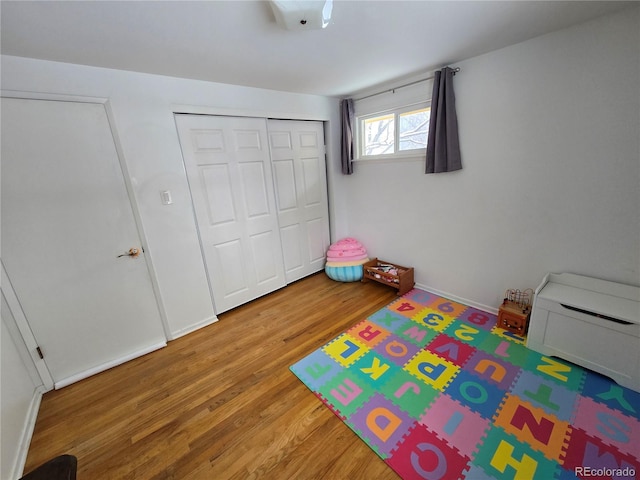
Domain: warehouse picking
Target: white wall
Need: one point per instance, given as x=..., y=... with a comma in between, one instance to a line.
x=551, y=171
x=143, y=107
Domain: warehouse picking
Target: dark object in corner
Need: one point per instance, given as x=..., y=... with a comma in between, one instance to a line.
x=62, y=467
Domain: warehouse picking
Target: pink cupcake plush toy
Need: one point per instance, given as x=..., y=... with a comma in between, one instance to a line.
x=345, y=259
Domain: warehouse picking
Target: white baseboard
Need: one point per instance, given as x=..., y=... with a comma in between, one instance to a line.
x=106, y=366
x=27, y=433
x=455, y=298
x=192, y=328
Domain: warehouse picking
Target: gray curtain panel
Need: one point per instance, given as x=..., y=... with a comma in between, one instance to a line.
x=443, y=146
x=346, y=110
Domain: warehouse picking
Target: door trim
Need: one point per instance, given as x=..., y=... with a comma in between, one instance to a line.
x=106, y=103
x=25, y=330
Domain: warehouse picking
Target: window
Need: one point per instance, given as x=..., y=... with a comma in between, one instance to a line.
x=394, y=133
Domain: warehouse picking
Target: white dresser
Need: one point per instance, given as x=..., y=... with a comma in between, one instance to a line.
x=590, y=322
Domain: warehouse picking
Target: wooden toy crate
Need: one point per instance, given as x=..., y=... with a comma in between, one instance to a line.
x=379, y=271
x=514, y=317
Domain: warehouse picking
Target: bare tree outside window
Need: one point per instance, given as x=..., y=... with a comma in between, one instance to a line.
x=379, y=133
x=414, y=127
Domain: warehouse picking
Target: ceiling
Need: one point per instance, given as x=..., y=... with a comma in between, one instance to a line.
x=367, y=43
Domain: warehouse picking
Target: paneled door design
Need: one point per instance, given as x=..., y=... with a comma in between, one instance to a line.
x=298, y=158
x=67, y=225
x=229, y=173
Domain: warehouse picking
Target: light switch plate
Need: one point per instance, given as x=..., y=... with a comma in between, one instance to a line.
x=166, y=197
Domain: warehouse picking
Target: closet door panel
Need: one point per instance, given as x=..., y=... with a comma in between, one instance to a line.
x=316, y=238
x=231, y=260
x=216, y=183
x=298, y=159
x=287, y=197
x=254, y=190
x=262, y=245
x=229, y=172
x=293, y=256
x=312, y=173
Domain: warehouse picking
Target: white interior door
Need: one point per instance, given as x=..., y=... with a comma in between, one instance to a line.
x=229, y=173
x=66, y=217
x=298, y=158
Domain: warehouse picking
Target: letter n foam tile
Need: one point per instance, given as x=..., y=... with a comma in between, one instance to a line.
x=423, y=455
x=533, y=426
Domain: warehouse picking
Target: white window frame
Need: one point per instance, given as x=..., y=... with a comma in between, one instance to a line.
x=397, y=154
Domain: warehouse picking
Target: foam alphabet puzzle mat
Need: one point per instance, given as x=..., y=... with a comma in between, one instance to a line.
x=438, y=391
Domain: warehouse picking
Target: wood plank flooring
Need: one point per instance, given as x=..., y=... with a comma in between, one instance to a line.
x=220, y=403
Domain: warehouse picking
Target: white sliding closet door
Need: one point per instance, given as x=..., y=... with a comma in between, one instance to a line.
x=229, y=172
x=298, y=158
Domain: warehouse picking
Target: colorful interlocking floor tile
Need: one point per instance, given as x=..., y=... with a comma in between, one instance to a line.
x=439, y=392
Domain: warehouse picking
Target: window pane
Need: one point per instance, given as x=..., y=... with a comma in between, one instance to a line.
x=414, y=127
x=379, y=135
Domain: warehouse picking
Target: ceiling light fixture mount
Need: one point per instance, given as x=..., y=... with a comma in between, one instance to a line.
x=302, y=14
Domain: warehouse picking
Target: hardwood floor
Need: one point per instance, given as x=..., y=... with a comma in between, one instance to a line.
x=220, y=403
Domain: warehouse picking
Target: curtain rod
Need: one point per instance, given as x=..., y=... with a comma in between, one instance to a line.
x=392, y=90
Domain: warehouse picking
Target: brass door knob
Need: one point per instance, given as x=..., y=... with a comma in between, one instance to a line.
x=133, y=252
